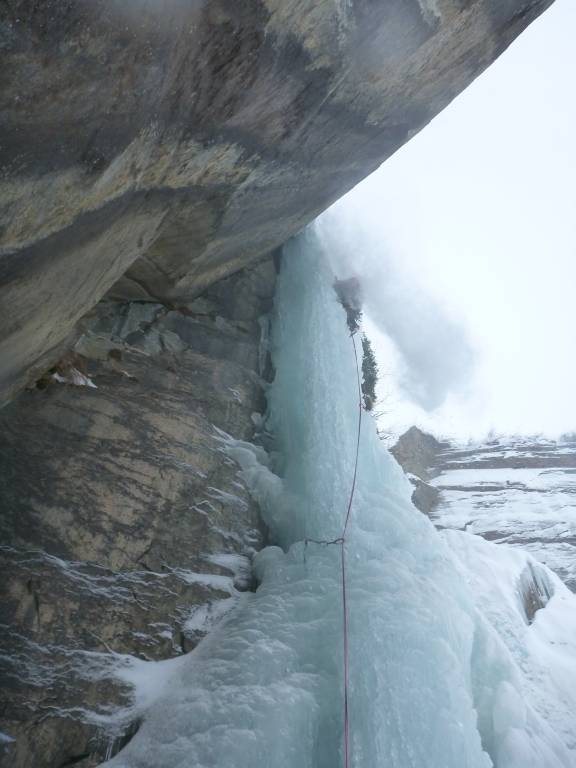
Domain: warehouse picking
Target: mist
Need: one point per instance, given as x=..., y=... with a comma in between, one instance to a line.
x=465, y=241
x=435, y=356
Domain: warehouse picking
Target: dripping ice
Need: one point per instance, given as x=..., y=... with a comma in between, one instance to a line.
x=432, y=682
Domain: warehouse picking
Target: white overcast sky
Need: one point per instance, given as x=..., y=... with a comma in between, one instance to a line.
x=477, y=213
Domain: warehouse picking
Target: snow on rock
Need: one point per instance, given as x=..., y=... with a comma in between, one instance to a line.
x=521, y=492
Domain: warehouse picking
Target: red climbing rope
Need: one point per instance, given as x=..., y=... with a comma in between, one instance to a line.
x=343, y=543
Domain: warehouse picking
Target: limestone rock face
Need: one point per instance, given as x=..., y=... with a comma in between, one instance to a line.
x=125, y=526
x=416, y=452
x=425, y=496
x=154, y=148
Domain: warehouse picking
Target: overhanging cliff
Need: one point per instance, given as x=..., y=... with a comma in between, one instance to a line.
x=149, y=149
x=151, y=154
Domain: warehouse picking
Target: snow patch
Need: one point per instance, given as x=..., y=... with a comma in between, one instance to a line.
x=76, y=378
x=203, y=617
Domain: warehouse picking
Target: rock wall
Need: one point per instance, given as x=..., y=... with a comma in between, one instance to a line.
x=125, y=527
x=153, y=148
x=518, y=491
x=513, y=490
x=416, y=452
x=149, y=152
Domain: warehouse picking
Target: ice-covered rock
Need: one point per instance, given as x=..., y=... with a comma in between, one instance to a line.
x=433, y=681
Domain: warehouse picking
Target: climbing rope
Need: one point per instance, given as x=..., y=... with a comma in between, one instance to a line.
x=344, y=604
x=342, y=542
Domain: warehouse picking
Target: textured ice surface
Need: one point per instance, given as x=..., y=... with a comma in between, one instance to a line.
x=265, y=688
x=526, y=700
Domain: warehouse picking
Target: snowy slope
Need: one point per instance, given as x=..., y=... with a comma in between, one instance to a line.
x=518, y=492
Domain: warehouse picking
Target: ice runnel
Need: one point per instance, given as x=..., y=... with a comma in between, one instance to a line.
x=265, y=688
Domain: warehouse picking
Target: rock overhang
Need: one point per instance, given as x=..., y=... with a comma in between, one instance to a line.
x=166, y=146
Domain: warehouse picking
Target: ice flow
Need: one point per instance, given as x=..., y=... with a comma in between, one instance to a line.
x=265, y=688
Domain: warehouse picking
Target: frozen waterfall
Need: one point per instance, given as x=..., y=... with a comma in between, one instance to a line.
x=265, y=688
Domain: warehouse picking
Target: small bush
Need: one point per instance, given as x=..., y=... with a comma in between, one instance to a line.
x=370, y=373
